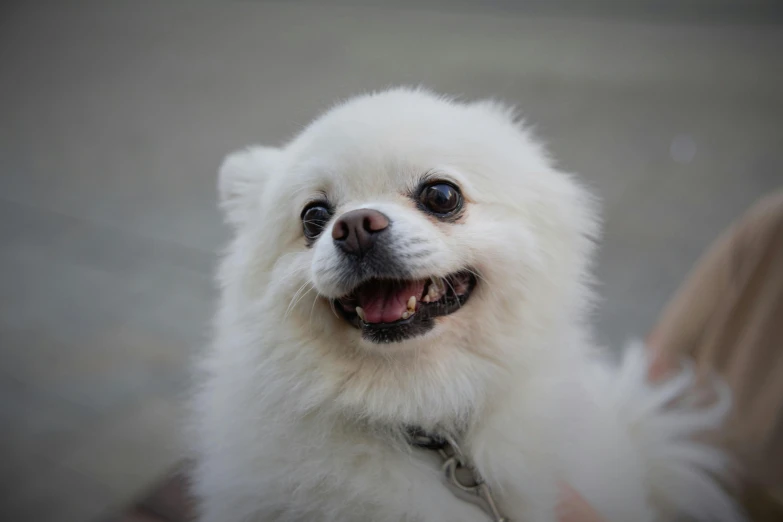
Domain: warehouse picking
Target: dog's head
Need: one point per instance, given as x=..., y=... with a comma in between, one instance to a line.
x=401, y=223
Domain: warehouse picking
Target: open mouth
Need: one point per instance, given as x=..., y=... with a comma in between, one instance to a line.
x=389, y=311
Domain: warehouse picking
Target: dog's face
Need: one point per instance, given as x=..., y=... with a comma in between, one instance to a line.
x=392, y=266
x=404, y=221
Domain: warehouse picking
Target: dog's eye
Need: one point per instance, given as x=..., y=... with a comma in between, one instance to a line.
x=441, y=198
x=314, y=219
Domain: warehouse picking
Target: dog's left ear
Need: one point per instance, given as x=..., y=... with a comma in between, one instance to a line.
x=241, y=180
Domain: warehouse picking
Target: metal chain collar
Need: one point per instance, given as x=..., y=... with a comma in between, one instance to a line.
x=462, y=479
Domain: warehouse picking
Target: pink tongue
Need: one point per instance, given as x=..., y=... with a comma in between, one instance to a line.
x=385, y=302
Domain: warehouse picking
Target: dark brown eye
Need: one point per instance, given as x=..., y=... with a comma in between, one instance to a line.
x=441, y=198
x=314, y=219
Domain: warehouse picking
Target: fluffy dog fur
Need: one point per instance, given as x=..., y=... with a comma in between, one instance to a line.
x=298, y=418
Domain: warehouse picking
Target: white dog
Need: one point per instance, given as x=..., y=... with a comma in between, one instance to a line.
x=406, y=295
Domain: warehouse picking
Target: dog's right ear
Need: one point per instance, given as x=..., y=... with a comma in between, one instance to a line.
x=241, y=180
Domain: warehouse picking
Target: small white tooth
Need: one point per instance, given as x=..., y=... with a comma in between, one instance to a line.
x=360, y=312
x=412, y=304
x=406, y=314
x=426, y=298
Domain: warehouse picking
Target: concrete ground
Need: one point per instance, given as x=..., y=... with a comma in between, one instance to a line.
x=115, y=115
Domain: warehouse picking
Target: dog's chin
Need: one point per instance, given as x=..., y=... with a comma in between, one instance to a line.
x=396, y=310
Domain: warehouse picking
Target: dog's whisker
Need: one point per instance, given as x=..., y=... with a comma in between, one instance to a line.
x=312, y=307
x=305, y=295
x=300, y=189
x=478, y=276
x=446, y=280
x=296, y=298
x=334, y=308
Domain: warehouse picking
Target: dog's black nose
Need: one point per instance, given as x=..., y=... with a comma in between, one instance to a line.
x=355, y=231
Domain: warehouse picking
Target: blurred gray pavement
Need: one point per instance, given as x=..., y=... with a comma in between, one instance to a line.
x=115, y=115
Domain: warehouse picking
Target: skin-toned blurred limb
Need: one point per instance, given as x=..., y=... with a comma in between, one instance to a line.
x=728, y=318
